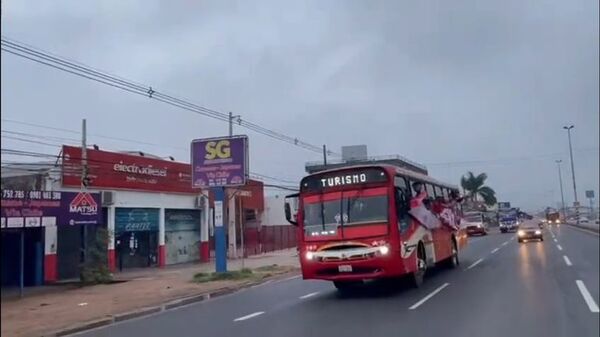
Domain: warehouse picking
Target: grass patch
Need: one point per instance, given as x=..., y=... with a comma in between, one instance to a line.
x=228, y=275
x=272, y=267
x=256, y=274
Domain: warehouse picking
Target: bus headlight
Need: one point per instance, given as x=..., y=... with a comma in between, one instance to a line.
x=520, y=233
x=538, y=232
x=384, y=250
x=309, y=255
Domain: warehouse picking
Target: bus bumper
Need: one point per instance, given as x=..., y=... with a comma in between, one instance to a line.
x=354, y=270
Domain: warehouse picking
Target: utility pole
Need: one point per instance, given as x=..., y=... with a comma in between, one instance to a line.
x=231, y=205
x=84, y=182
x=576, y=203
x=231, y=118
x=562, y=195
x=324, y=155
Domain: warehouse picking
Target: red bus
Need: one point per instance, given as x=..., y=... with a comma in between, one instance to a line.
x=374, y=221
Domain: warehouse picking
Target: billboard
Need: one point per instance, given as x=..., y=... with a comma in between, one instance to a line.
x=115, y=170
x=218, y=162
x=49, y=208
x=589, y=194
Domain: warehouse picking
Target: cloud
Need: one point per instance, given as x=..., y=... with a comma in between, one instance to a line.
x=465, y=83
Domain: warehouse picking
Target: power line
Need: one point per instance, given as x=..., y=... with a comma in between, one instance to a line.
x=72, y=167
x=262, y=176
x=36, y=55
x=30, y=141
x=92, y=134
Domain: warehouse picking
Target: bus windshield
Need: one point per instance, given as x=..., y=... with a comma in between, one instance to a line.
x=325, y=217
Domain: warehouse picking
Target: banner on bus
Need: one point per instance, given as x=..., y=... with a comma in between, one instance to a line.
x=219, y=162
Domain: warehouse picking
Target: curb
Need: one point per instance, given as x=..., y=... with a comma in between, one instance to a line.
x=147, y=311
x=591, y=229
x=185, y=301
x=83, y=327
x=136, y=313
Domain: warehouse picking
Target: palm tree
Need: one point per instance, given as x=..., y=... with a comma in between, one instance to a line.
x=474, y=187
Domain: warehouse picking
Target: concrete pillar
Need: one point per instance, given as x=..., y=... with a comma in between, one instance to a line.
x=110, y=226
x=50, y=242
x=162, y=254
x=204, y=234
x=232, y=249
x=50, y=259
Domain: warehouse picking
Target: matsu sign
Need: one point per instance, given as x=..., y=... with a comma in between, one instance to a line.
x=49, y=208
x=219, y=162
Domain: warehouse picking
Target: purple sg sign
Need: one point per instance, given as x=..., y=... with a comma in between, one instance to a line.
x=218, y=162
x=49, y=208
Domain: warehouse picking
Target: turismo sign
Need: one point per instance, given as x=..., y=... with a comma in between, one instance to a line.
x=345, y=178
x=218, y=162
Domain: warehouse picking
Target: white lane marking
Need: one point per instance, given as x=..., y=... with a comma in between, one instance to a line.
x=555, y=240
x=587, y=297
x=559, y=247
x=474, y=264
x=416, y=305
x=505, y=243
x=567, y=261
x=243, y=318
x=495, y=250
x=308, y=295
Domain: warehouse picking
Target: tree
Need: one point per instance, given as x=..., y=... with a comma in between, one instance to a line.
x=475, y=188
x=95, y=269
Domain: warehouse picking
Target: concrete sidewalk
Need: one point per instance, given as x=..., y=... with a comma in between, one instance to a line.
x=58, y=307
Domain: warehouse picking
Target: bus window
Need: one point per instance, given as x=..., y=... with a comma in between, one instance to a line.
x=401, y=183
x=415, y=185
x=438, y=191
x=445, y=193
x=429, y=189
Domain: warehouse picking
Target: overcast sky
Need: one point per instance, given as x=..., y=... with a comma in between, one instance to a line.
x=456, y=85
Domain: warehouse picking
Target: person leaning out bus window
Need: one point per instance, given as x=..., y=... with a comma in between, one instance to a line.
x=420, y=195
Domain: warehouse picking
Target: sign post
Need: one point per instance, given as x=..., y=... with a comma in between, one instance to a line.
x=220, y=244
x=218, y=163
x=590, y=195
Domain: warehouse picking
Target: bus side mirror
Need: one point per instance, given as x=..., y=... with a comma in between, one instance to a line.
x=288, y=214
x=288, y=210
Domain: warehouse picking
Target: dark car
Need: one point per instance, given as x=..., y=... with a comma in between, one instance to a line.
x=529, y=232
x=476, y=229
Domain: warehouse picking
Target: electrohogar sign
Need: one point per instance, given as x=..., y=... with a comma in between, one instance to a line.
x=221, y=161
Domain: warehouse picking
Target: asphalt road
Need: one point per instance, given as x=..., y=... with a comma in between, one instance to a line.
x=502, y=288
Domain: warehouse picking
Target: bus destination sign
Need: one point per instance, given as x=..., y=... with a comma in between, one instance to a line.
x=328, y=180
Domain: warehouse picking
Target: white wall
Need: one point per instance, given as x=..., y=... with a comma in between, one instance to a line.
x=143, y=199
x=274, y=214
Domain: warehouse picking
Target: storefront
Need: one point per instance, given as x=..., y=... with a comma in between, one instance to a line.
x=182, y=235
x=136, y=237
x=44, y=229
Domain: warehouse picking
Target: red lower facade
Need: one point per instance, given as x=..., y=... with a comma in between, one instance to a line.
x=50, y=268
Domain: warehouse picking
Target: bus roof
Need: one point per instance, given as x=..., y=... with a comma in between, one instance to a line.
x=392, y=170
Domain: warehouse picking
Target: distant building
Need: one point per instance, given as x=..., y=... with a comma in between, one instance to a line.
x=357, y=155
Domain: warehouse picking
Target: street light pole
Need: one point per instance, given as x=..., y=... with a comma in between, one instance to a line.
x=576, y=204
x=562, y=195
